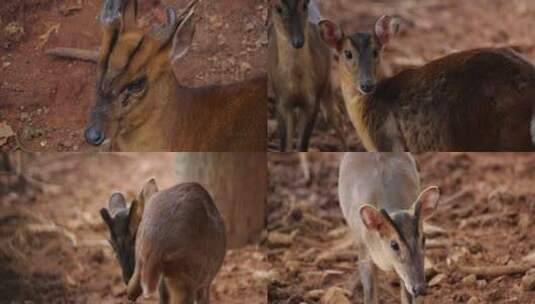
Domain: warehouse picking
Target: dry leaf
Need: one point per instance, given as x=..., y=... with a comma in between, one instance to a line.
x=5, y=132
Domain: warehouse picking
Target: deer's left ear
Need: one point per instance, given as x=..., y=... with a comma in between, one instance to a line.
x=183, y=37
x=386, y=27
x=427, y=203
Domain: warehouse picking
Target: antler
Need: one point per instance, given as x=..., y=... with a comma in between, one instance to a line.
x=165, y=32
x=111, y=11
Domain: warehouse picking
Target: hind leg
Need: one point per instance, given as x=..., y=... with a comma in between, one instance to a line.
x=333, y=116
x=164, y=293
x=203, y=295
x=281, y=130
x=179, y=292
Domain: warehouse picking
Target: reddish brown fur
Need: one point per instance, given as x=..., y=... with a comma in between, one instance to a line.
x=165, y=116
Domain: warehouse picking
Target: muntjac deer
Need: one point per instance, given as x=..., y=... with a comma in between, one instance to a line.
x=299, y=64
x=173, y=239
x=476, y=100
x=140, y=104
x=381, y=201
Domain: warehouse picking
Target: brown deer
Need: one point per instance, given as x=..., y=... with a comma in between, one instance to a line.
x=299, y=64
x=382, y=203
x=476, y=100
x=140, y=104
x=174, y=239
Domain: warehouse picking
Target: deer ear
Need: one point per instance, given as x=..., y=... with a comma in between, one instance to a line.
x=427, y=203
x=183, y=37
x=372, y=218
x=117, y=203
x=149, y=189
x=386, y=27
x=331, y=34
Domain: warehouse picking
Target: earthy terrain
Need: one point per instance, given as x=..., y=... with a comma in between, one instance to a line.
x=53, y=243
x=484, y=219
x=431, y=29
x=46, y=101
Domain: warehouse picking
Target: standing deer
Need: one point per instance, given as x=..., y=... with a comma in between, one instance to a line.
x=381, y=201
x=174, y=239
x=476, y=100
x=299, y=64
x=140, y=104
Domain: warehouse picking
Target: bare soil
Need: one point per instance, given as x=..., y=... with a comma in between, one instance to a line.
x=431, y=29
x=487, y=208
x=47, y=100
x=53, y=245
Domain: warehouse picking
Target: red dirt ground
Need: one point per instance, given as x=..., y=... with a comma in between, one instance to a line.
x=54, y=249
x=433, y=28
x=496, y=189
x=47, y=100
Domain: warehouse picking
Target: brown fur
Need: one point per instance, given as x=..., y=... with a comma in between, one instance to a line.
x=299, y=78
x=181, y=239
x=477, y=100
x=166, y=116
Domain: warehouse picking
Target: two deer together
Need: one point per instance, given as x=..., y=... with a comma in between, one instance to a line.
x=476, y=100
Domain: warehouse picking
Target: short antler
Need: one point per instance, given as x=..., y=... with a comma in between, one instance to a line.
x=165, y=32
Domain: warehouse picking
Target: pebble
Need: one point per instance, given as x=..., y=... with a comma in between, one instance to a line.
x=470, y=279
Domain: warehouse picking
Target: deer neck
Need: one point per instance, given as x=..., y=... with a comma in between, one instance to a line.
x=358, y=108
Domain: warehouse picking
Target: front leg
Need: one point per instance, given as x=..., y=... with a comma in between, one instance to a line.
x=368, y=277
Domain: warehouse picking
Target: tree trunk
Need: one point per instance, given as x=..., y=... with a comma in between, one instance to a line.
x=238, y=185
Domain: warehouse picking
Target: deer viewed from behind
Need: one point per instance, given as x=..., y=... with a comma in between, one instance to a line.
x=173, y=239
x=476, y=100
x=381, y=201
x=140, y=106
x=299, y=64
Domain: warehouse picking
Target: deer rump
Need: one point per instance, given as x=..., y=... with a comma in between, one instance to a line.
x=461, y=102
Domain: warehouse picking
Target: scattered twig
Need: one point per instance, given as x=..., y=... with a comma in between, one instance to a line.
x=72, y=53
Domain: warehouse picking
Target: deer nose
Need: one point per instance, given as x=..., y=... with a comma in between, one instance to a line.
x=367, y=87
x=419, y=290
x=94, y=136
x=298, y=42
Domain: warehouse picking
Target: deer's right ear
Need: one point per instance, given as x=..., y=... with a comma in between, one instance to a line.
x=183, y=37
x=331, y=34
x=372, y=218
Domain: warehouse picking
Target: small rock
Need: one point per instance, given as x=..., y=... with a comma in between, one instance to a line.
x=437, y=279
x=6, y=64
x=335, y=295
x=473, y=300
x=481, y=284
x=470, y=279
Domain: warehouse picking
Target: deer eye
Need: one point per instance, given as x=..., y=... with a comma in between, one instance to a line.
x=279, y=9
x=348, y=54
x=394, y=245
x=136, y=86
x=375, y=53
x=423, y=241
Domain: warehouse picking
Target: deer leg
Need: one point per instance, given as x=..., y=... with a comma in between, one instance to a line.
x=164, y=293
x=307, y=120
x=281, y=127
x=368, y=277
x=203, y=295
x=134, y=287
x=179, y=292
x=333, y=116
